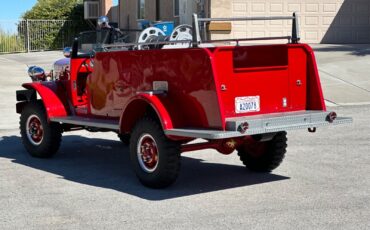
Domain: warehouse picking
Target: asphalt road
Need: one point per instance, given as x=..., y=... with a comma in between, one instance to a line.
x=344, y=73
x=323, y=183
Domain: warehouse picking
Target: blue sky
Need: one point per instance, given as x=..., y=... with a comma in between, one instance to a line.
x=14, y=9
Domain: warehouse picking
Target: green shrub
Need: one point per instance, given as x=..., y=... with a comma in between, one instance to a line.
x=11, y=42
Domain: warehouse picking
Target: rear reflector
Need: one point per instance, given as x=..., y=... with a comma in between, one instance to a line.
x=243, y=127
x=331, y=117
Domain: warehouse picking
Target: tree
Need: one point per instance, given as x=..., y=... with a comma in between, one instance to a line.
x=55, y=33
x=56, y=9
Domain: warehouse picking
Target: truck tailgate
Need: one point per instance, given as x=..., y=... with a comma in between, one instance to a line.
x=261, y=79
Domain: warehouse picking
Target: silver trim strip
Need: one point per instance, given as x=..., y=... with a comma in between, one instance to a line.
x=151, y=92
x=263, y=124
x=87, y=122
x=246, y=19
x=249, y=39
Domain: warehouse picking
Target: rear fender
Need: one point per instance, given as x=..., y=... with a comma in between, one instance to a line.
x=54, y=107
x=136, y=108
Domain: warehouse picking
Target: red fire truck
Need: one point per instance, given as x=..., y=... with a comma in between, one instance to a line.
x=163, y=92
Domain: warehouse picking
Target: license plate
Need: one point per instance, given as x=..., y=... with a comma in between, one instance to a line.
x=247, y=104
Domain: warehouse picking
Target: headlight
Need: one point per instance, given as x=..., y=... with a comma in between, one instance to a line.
x=37, y=73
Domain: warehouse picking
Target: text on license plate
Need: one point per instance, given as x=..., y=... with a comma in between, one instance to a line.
x=247, y=104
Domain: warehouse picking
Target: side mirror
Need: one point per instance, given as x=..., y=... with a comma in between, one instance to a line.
x=67, y=52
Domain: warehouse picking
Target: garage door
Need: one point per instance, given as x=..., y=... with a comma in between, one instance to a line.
x=328, y=21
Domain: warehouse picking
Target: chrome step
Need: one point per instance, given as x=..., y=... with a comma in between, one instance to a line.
x=279, y=121
x=261, y=124
x=88, y=122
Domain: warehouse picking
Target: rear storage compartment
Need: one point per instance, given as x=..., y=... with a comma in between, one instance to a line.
x=265, y=89
x=255, y=80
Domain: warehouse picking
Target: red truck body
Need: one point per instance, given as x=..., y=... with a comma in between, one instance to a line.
x=195, y=78
x=235, y=97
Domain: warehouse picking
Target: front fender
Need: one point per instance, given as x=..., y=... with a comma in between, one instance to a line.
x=54, y=107
x=136, y=108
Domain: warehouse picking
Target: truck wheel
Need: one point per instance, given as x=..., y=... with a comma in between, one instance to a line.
x=40, y=138
x=155, y=159
x=263, y=156
x=125, y=138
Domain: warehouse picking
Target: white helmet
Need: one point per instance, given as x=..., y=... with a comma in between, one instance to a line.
x=103, y=21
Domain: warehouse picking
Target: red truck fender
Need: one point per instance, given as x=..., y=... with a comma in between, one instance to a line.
x=314, y=88
x=136, y=108
x=54, y=107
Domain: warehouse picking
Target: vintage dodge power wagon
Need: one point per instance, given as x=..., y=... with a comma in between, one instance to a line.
x=161, y=93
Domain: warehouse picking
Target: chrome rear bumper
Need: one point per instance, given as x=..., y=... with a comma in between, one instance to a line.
x=261, y=124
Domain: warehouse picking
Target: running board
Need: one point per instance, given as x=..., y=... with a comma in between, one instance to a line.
x=88, y=122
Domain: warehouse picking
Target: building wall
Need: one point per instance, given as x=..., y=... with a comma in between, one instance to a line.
x=113, y=14
x=129, y=15
x=105, y=6
x=321, y=21
x=167, y=11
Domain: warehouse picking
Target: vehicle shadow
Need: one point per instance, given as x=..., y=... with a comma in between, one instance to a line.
x=106, y=164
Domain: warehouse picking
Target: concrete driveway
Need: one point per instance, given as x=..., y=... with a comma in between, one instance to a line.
x=13, y=69
x=345, y=73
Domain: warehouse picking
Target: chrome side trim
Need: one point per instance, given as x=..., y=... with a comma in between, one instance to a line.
x=151, y=92
x=87, y=122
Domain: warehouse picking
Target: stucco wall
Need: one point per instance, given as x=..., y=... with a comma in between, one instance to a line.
x=328, y=21
x=321, y=21
x=128, y=9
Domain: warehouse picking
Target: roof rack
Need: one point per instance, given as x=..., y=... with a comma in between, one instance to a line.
x=198, y=22
x=199, y=29
x=146, y=44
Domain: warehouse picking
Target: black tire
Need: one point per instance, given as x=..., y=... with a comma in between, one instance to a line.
x=269, y=157
x=44, y=143
x=125, y=138
x=161, y=168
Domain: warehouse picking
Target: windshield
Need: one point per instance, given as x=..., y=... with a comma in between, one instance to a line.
x=93, y=41
x=87, y=42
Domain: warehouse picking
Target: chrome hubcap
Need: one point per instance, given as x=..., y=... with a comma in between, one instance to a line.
x=147, y=153
x=34, y=130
